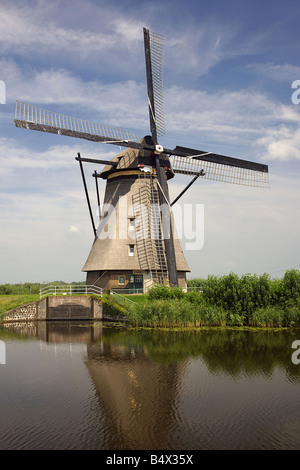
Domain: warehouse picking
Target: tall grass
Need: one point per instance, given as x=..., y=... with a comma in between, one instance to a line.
x=180, y=313
x=230, y=300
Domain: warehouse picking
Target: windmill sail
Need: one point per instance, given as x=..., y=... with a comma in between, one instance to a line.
x=153, y=43
x=220, y=172
x=154, y=47
x=29, y=116
x=219, y=167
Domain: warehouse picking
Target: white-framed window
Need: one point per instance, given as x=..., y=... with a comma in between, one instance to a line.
x=131, y=250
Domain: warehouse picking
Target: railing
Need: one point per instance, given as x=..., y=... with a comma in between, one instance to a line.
x=122, y=298
x=127, y=291
x=70, y=290
x=92, y=289
x=192, y=288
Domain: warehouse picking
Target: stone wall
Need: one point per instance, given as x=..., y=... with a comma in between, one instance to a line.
x=26, y=312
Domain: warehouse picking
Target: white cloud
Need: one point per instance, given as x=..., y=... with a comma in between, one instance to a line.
x=200, y=47
x=278, y=72
x=16, y=157
x=24, y=27
x=281, y=144
x=110, y=39
x=246, y=118
x=106, y=41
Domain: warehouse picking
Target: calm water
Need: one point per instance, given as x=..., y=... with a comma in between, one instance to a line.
x=91, y=386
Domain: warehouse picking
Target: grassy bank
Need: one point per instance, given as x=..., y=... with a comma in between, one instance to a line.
x=250, y=300
x=8, y=302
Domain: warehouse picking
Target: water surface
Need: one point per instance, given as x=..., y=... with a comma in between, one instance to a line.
x=68, y=385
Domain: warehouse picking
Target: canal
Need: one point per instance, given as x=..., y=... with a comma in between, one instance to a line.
x=72, y=385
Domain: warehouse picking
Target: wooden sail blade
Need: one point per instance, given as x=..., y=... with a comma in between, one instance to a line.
x=29, y=116
x=227, y=173
x=216, y=158
x=154, y=46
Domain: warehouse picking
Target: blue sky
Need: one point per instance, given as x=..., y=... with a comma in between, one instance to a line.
x=228, y=73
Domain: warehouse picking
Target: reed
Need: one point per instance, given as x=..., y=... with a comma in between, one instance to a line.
x=170, y=313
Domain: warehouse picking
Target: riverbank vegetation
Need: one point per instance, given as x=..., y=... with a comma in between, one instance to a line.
x=230, y=300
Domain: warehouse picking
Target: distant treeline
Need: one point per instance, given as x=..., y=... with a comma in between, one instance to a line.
x=31, y=287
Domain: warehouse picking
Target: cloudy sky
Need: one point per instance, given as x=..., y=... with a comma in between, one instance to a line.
x=229, y=68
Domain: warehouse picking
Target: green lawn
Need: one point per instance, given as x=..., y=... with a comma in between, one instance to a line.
x=138, y=299
x=7, y=302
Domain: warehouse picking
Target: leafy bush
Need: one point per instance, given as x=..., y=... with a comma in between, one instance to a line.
x=242, y=297
x=291, y=286
x=163, y=291
x=195, y=297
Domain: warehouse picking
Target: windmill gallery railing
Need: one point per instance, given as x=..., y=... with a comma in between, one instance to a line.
x=31, y=115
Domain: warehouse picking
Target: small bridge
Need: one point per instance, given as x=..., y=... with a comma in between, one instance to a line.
x=68, y=302
x=69, y=290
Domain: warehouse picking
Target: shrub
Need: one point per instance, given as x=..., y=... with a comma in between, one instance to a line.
x=195, y=297
x=291, y=285
x=163, y=291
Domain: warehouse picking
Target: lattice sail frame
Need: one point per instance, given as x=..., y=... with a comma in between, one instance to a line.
x=33, y=117
x=157, y=54
x=220, y=172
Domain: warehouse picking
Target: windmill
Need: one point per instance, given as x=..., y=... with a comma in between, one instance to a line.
x=139, y=176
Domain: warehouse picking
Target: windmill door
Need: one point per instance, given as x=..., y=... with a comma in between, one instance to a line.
x=136, y=283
